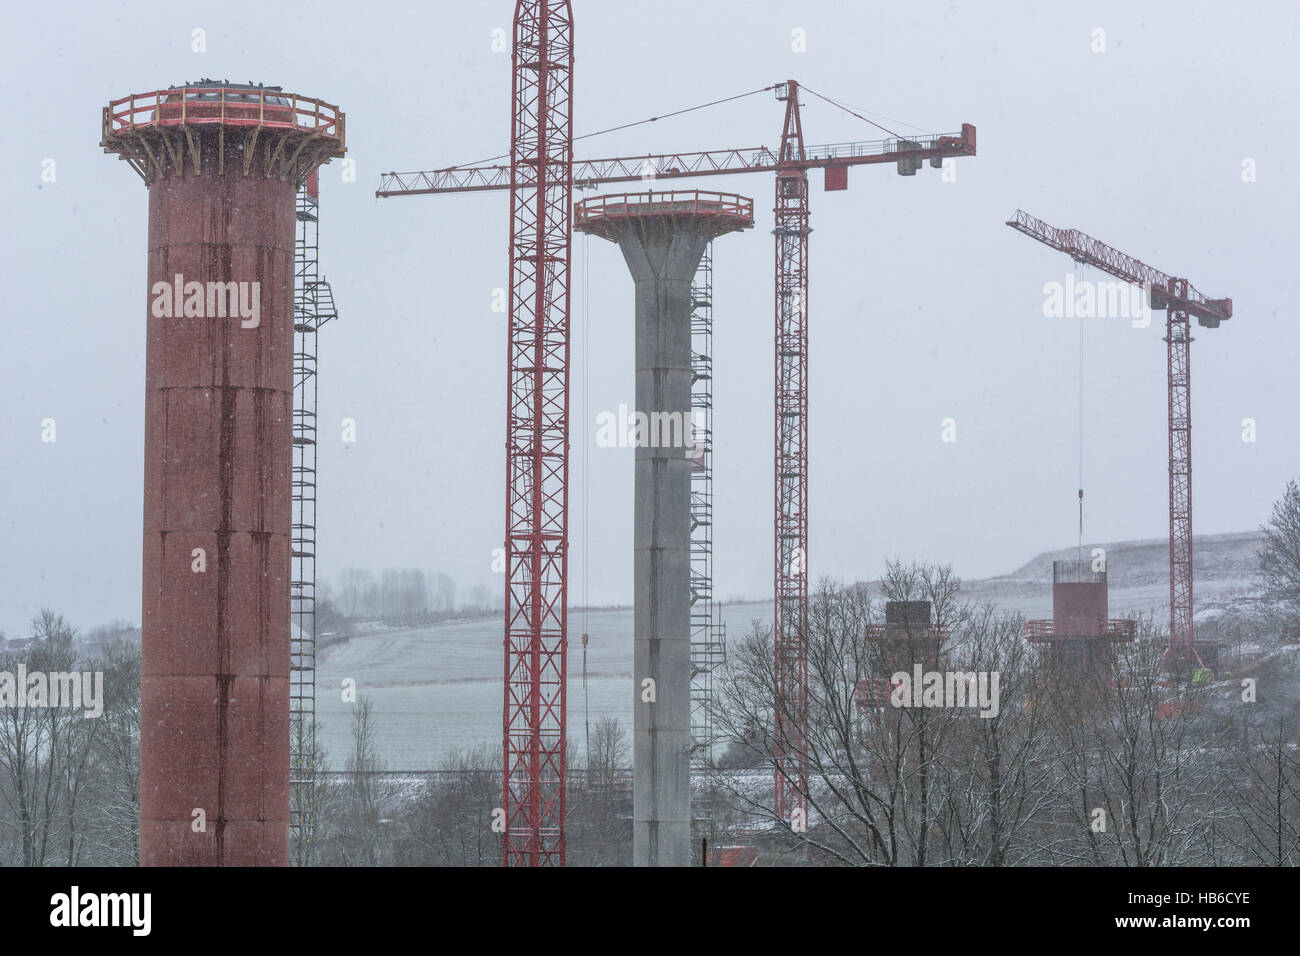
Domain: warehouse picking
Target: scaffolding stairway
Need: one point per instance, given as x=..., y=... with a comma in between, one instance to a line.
x=708, y=634
x=313, y=307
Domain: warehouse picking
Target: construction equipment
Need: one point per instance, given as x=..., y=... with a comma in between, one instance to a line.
x=1180, y=301
x=537, y=437
x=791, y=162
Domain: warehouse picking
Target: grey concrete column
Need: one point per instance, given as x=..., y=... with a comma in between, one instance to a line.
x=663, y=267
x=662, y=236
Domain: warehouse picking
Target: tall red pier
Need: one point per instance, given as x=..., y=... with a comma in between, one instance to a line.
x=222, y=163
x=1081, y=629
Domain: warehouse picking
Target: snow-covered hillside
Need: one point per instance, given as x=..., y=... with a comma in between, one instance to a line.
x=439, y=688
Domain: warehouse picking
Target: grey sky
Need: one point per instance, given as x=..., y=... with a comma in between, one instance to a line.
x=923, y=304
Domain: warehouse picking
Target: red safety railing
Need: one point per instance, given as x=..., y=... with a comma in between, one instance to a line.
x=1114, y=630
x=194, y=106
x=693, y=202
x=901, y=632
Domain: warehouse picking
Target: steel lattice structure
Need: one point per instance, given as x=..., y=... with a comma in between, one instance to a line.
x=1180, y=301
x=313, y=306
x=1178, y=338
x=537, y=436
x=716, y=162
x=708, y=635
x=791, y=524
x=791, y=163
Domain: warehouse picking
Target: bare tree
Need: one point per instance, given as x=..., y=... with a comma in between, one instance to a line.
x=599, y=826
x=611, y=753
x=354, y=591
x=1266, y=798
x=996, y=778
x=113, y=808
x=449, y=823
x=875, y=781
x=1139, y=781
x=30, y=739
x=1279, y=559
x=356, y=831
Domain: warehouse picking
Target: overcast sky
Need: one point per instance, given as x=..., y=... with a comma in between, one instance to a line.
x=923, y=305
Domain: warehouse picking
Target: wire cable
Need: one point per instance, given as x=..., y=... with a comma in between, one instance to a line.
x=586, y=453
x=1077, y=267
x=614, y=129
x=689, y=109
x=859, y=115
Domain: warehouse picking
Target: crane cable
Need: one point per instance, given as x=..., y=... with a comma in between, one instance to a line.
x=859, y=115
x=586, y=537
x=701, y=106
x=614, y=129
x=1080, y=428
x=852, y=112
x=689, y=109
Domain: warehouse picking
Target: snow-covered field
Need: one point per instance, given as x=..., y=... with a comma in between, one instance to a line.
x=439, y=688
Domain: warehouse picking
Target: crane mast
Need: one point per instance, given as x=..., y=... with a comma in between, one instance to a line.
x=537, y=436
x=790, y=611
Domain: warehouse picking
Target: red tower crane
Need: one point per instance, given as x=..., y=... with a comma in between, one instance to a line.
x=790, y=554
x=1180, y=301
x=537, y=436
x=791, y=163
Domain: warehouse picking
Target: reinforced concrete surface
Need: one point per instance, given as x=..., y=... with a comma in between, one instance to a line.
x=662, y=238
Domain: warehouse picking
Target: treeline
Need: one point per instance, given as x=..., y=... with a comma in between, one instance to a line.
x=1118, y=763
x=364, y=816
x=402, y=595
x=69, y=784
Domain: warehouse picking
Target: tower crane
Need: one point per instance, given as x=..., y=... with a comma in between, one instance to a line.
x=1179, y=300
x=533, y=739
x=791, y=163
